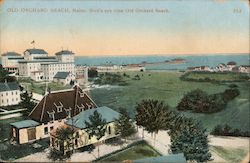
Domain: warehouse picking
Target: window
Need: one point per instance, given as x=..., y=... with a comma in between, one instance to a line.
x=109, y=130
x=52, y=115
x=51, y=128
x=46, y=131
x=76, y=142
x=89, y=137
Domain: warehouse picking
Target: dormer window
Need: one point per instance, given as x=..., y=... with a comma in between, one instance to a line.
x=89, y=106
x=68, y=112
x=59, y=107
x=51, y=115
x=81, y=108
x=81, y=94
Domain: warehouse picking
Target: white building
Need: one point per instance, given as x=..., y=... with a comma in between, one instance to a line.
x=10, y=61
x=244, y=68
x=9, y=94
x=231, y=65
x=64, y=77
x=39, y=66
x=81, y=74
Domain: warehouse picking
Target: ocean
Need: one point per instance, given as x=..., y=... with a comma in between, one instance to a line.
x=202, y=60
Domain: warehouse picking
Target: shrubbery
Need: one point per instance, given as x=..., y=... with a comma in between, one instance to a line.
x=110, y=78
x=226, y=130
x=200, y=102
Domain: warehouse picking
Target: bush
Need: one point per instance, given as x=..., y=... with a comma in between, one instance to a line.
x=227, y=130
x=200, y=102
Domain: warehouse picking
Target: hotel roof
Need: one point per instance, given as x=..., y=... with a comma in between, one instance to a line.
x=65, y=52
x=11, y=54
x=9, y=86
x=79, y=120
x=36, y=51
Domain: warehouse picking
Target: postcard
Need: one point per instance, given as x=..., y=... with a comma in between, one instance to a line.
x=128, y=81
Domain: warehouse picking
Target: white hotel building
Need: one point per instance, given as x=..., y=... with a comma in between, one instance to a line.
x=39, y=66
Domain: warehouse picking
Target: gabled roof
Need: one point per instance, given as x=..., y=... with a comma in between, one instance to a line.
x=25, y=124
x=65, y=52
x=11, y=54
x=36, y=51
x=79, y=120
x=73, y=100
x=9, y=86
x=61, y=75
x=173, y=158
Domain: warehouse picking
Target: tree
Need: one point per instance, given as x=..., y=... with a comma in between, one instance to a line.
x=191, y=140
x=124, y=125
x=96, y=126
x=153, y=115
x=4, y=75
x=63, y=134
x=92, y=73
x=26, y=102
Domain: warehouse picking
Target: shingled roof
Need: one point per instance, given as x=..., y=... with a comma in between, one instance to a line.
x=73, y=100
x=9, y=86
x=36, y=51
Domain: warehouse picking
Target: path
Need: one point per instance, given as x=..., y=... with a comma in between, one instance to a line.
x=162, y=145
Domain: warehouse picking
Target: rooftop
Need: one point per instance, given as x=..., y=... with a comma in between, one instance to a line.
x=11, y=54
x=79, y=120
x=25, y=124
x=65, y=52
x=36, y=51
x=61, y=75
x=69, y=100
x=8, y=86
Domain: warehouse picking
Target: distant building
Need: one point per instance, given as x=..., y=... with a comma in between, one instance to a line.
x=244, y=68
x=39, y=66
x=64, y=78
x=10, y=61
x=51, y=112
x=81, y=137
x=231, y=65
x=221, y=67
x=9, y=94
x=199, y=68
x=81, y=74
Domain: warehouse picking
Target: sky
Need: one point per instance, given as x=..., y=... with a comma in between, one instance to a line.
x=191, y=27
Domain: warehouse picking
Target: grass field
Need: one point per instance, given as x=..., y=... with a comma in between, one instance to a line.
x=168, y=87
x=38, y=87
x=142, y=150
x=217, y=76
x=230, y=154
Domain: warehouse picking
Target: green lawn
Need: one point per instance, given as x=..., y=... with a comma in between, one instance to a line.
x=217, y=76
x=230, y=154
x=168, y=87
x=139, y=151
x=39, y=87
